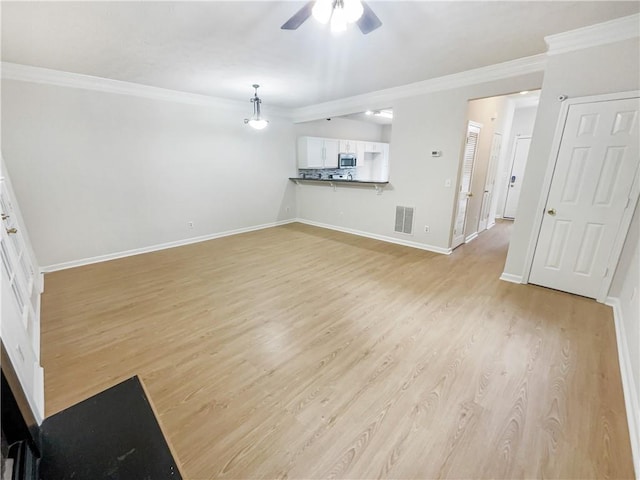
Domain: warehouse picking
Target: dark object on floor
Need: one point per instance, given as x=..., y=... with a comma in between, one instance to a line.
x=112, y=435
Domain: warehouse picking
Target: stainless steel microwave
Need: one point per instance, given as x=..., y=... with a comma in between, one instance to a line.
x=347, y=160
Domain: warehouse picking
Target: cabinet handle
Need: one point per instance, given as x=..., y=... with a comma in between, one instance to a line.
x=12, y=230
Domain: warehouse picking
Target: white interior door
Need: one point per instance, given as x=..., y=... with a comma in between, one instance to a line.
x=464, y=192
x=20, y=307
x=485, y=211
x=591, y=190
x=518, y=165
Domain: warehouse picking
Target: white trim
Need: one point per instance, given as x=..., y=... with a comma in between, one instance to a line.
x=551, y=165
x=380, y=98
x=603, y=33
x=383, y=238
x=384, y=98
x=27, y=73
x=155, y=248
x=471, y=237
x=629, y=387
x=510, y=277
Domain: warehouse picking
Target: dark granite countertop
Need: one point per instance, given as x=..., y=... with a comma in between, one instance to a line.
x=337, y=180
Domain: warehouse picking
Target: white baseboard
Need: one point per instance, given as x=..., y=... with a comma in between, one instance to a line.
x=383, y=238
x=155, y=248
x=628, y=382
x=471, y=237
x=510, y=277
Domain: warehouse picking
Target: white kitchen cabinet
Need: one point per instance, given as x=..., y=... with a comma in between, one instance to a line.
x=383, y=163
x=348, y=146
x=373, y=147
x=316, y=152
x=331, y=150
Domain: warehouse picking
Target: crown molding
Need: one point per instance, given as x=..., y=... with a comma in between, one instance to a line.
x=27, y=73
x=603, y=33
x=384, y=98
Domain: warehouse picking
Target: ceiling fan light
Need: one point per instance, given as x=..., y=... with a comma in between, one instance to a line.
x=322, y=10
x=338, y=21
x=353, y=10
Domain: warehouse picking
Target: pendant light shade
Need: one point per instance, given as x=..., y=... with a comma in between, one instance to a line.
x=256, y=121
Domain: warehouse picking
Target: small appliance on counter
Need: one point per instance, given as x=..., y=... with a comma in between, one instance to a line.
x=340, y=176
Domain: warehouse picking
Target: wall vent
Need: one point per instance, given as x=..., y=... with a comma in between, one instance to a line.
x=404, y=219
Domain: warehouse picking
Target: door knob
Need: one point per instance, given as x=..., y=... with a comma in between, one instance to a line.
x=551, y=211
x=4, y=216
x=469, y=194
x=12, y=230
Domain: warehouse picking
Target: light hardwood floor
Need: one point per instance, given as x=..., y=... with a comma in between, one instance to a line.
x=298, y=352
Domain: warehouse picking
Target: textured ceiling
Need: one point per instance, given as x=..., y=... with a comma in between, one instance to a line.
x=221, y=48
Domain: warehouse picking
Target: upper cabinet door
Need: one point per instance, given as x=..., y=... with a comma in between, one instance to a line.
x=311, y=152
x=331, y=151
x=372, y=147
x=348, y=146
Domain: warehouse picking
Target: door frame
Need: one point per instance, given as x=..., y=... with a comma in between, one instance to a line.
x=546, y=187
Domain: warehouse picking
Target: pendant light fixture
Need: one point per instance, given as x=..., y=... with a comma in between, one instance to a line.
x=338, y=12
x=256, y=121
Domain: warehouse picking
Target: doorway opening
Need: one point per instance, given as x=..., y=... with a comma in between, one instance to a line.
x=489, y=186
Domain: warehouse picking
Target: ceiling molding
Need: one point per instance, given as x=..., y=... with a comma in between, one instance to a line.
x=385, y=98
x=376, y=100
x=612, y=31
x=26, y=73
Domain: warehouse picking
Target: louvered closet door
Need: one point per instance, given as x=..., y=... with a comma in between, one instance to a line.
x=464, y=192
x=591, y=189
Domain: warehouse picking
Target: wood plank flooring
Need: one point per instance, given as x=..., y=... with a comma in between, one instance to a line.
x=298, y=352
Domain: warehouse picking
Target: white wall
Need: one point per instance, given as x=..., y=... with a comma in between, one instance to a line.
x=625, y=296
x=386, y=133
x=344, y=128
x=435, y=121
x=100, y=173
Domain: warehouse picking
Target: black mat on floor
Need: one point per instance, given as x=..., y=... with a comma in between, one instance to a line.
x=112, y=435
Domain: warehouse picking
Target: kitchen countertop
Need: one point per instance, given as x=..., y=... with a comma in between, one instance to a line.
x=337, y=180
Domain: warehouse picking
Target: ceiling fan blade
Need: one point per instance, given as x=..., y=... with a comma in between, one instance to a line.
x=299, y=18
x=369, y=21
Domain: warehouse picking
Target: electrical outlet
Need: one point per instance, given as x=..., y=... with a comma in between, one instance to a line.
x=427, y=229
x=190, y=224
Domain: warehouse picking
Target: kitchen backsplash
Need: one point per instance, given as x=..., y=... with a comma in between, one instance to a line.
x=326, y=173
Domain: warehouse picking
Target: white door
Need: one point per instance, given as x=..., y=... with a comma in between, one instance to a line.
x=518, y=165
x=464, y=192
x=21, y=288
x=590, y=190
x=485, y=212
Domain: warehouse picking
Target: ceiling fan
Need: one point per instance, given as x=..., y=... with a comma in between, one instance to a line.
x=338, y=12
